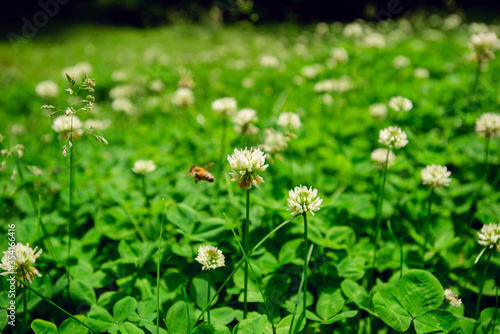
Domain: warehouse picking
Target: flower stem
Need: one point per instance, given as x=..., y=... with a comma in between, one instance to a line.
x=158, y=273
x=426, y=225
x=71, y=219
x=305, y=263
x=240, y=263
x=245, y=246
x=400, y=244
x=486, y=172
x=187, y=309
x=481, y=284
x=26, y=285
x=221, y=156
x=25, y=315
x=209, y=280
x=253, y=273
x=301, y=285
x=476, y=79
x=380, y=202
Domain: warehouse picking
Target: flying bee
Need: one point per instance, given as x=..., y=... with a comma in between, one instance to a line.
x=201, y=173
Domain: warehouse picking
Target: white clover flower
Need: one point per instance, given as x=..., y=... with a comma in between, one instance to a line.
x=327, y=99
x=421, y=73
x=63, y=125
x=244, y=119
x=144, y=167
x=339, y=55
x=247, y=83
x=18, y=261
x=183, y=97
x=269, y=61
x=483, y=45
x=353, y=30
x=210, y=257
x=47, y=89
x=274, y=141
x=379, y=156
x=78, y=70
x=289, y=121
x=393, y=137
x=125, y=91
x=400, y=62
x=399, y=103
x=97, y=124
x=340, y=85
x=488, y=125
x=245, y=163
x=301, y=200
x=452, y=298
x=322, y=28
x=123, y=104
x=378, y=110
x=374, y=40
x=490, y=236
x=225, y=106
x=436, y=176
x=309, y=72
x=156, y=86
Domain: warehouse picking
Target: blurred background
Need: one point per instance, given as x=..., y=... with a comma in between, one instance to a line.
x=153, y=13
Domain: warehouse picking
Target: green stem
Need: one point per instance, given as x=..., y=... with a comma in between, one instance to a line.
x=486, y=172
x=209, y=279
x=400, y=244
x=301, y=285
x=481, y=285
x=25, y=314
x=245, y=246
x=253, y=273
x=187, y=308
x=380, y=202
x=305, y=263
x=494, y=320
x=476, y=79
x=54, y=304
x=240, y=263
x=221, y=157
x=158, y=273
x=426, y=225
x=71, y=220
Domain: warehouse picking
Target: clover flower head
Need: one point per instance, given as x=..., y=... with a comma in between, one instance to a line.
x=393, y=137
x=210, y=257
x=18, y=261
x=400, y=62
x=225, y=106
x=244, y=119
x=489, y=236
x=379, y=157
x=452, y=298
x=143, y=167
x=483, y=44
x=245, y=164
x=378, y=110
x=274, y=141
x=47, y=89
x=269, y=61
x=183, y=97
x=339, y=55
x=421, y=73
x=488, y=125
x=289, y=121
x=301, y=200
x=123, y=104
x=436, y=176
x=399, y=103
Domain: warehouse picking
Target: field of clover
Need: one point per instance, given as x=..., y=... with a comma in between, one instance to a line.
x=334, y=178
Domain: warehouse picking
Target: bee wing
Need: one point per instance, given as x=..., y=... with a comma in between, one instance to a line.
x=209, y=165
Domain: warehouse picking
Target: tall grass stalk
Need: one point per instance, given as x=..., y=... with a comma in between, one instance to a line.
x=240, y=264
x=158, y=272
x=481, y=285
x=426, y=225
x=71, y=218
x=245, y=248
x=380, y=202
x=26, y=285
